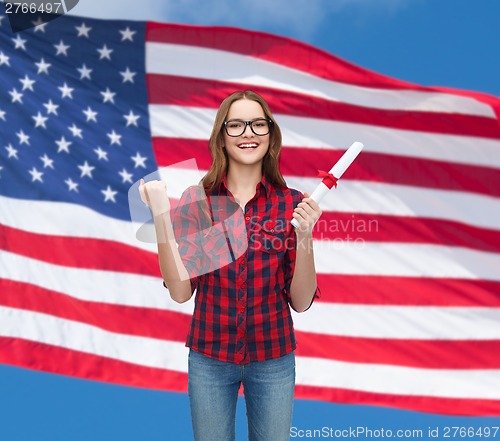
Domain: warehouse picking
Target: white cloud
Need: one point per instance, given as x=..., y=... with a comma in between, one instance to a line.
x=293, y=17
x=120, y=9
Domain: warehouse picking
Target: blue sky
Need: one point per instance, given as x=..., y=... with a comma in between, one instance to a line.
x=452, y=43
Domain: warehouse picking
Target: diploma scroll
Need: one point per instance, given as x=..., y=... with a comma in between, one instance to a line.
x=330, y=179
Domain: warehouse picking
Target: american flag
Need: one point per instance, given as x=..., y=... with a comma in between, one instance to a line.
x=407, y=249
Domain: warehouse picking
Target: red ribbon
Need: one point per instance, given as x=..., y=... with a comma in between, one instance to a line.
x=328, y=179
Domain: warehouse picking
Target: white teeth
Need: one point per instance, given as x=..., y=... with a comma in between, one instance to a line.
x=246, y=146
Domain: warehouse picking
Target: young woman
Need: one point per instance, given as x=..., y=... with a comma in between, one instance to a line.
x=231, y=240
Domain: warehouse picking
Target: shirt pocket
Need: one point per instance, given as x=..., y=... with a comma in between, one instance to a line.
x=274, y=237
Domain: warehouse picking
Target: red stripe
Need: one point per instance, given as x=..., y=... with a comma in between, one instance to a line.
x=42, y=357
x=356, y=228
x=173, y=326
x=131, y=320
x=38, y=356
x=392, y=290
x=198, y=92
x=370, y=167
x=445, y=406
x=427, y=354
x=280, y=50
x=293, y=54
x=78, y=252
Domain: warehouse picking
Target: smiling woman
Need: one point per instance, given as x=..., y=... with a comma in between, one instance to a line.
x=242, y=330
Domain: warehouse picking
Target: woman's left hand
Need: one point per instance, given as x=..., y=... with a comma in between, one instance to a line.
x=307, y=214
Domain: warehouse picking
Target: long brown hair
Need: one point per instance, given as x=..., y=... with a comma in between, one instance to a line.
x=220, y=163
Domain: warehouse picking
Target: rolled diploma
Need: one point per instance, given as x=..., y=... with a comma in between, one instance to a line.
x=337, y=171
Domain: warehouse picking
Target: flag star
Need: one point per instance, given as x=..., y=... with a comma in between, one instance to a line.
x=63, y=145
x=127, y=34
x=105, y=52
x=27, y=83
x=40, y=120
x=2, y=114
x=62, y=48
x=4, y=59
x=83, y=30
x=36, y=175
x=128, y=75
x=43, y=67
x=108, y=95
x=39, y=25
x=131, y=118
x=90, y=114
x=51, y=107
x=77, y=132
x=72, y=186
x=85, y=72
x=16, y=96
x=23, y=138
x=47, y=162
x=66, y=91
x=126, y=176
x=101, y=154
x=11, y=151
x=86, y=170
x=19, y=42
x=139, y=160
x=109, y=194
x=114, y=138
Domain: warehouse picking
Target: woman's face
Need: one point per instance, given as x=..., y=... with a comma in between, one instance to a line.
x=247, y=148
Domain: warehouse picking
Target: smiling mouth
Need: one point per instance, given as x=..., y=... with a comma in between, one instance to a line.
x=249, y=145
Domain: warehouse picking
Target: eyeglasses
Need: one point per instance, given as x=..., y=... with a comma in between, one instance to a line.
x=236, y=127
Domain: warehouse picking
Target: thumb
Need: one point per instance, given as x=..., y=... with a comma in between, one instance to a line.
x=306, y=195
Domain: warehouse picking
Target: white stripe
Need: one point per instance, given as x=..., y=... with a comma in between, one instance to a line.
x=81, y=337
x=66, y=219
x=91, y=285
x=33, y=326
x=196, y=123
x=400, y=200
x=386, y=379
x=55, y=218
x=412, y=322
x=401, y=322
x=219, y=65
x=404, y=260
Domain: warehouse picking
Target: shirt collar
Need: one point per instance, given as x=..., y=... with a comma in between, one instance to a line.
x=264, y=182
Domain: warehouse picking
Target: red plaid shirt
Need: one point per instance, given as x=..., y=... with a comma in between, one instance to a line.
x=241, y=264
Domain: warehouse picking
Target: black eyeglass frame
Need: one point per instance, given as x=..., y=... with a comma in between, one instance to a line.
x=249, y=123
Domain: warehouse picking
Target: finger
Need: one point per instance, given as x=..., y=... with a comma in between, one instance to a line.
x=306, y=207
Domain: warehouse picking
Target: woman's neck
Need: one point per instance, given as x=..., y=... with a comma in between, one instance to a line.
x=242, y=181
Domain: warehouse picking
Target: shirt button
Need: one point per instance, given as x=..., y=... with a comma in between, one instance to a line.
x=247, y=218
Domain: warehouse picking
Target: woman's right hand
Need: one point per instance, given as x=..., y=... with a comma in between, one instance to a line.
x=154, y=195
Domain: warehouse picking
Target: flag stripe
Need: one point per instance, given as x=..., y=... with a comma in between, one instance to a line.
x=414, y=402
x=453, y=323
x=183, y=91
x=173, y=326
x=392, y=290
x=311, y=371
x=58, y=360
x=174, y=59
x=373, y=167
x=172, y=121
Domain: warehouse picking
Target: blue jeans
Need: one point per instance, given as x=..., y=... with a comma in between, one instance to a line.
x=213, y=393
